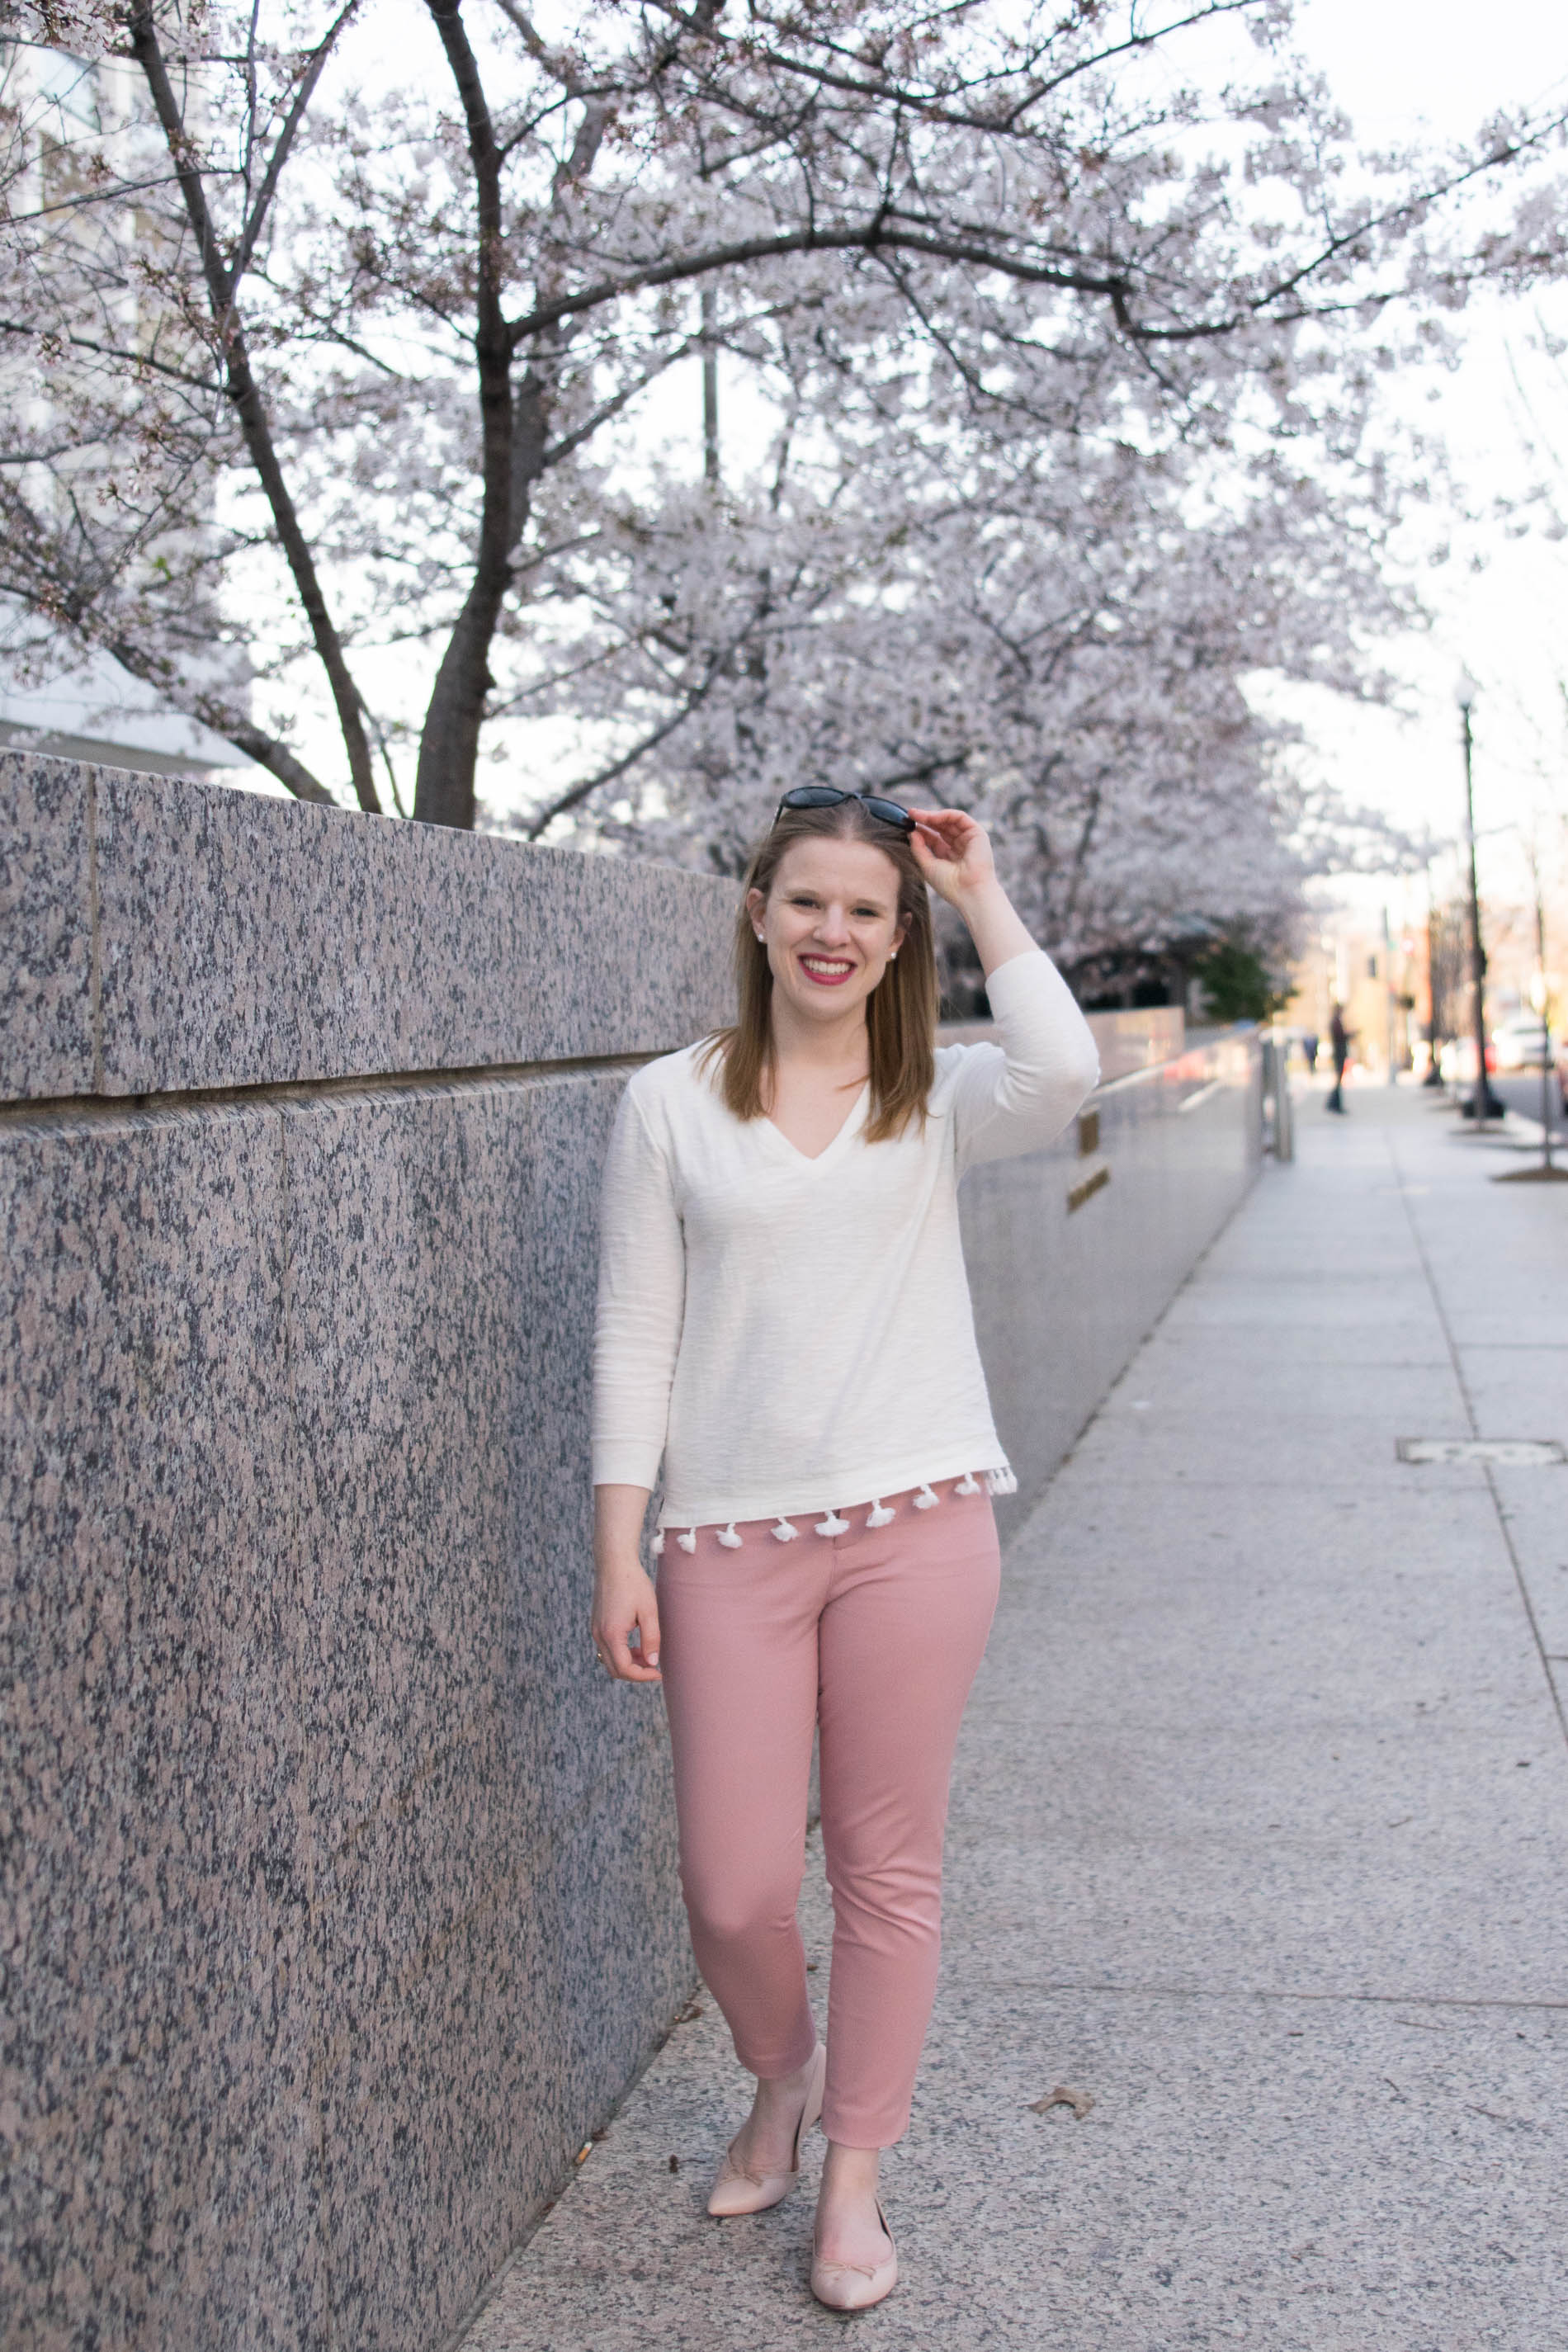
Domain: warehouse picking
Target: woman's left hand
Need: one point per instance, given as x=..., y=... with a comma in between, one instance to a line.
x=952, y=853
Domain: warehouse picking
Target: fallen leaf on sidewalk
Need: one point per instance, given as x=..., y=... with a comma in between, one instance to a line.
x=1080, y=2102
x=690, y=2013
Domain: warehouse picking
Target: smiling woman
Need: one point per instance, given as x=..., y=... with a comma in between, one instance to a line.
x=831, y=896
x=784, y=1326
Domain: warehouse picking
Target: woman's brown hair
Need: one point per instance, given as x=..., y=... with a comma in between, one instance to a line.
x=901, y=1011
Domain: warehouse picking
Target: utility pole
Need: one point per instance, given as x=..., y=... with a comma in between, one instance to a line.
x=1542, y=1001
x=1434, y=1077
x=1484, y=1104
x=1545, y=1173
x=709, y=392
x=1388, y=999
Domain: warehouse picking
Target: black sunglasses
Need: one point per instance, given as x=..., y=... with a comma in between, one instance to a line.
x=810, y=796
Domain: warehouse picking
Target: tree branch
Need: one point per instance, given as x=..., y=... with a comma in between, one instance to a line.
x=282, y=143
x=134, y=360
x=278, y=760
x=448, y=746
x=577, y=793
x=246, y=396
x=266, y=749
x=878, y=231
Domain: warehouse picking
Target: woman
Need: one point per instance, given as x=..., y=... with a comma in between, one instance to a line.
x=784, y=1323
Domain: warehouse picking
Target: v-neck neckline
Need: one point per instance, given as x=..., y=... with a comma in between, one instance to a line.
x=854, y=1118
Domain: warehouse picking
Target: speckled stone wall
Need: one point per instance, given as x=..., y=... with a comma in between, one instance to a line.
x=340, y=1896
x=1074, y=1255
x=341, y=1900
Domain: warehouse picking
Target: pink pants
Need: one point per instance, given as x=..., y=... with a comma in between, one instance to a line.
x=875, y=1636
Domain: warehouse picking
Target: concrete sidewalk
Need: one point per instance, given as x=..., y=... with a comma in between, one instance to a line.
x=1259, y=1838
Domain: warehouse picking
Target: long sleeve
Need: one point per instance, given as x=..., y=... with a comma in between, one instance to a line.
x=1019, y=1094
x=642, y=1296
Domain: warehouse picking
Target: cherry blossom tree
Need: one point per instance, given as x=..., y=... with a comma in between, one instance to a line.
x=1055, y=626
x=342, y=322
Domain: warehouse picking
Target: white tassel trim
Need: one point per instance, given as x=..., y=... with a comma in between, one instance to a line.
x=1000, y=1481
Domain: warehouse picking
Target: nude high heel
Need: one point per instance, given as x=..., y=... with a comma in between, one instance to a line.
x=736, y=2191
x=843, y=2287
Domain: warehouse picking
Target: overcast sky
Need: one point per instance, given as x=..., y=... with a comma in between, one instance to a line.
x=1402, y=68
x=1399, y=66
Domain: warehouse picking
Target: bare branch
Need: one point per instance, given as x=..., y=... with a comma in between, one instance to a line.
x=284, y=141
x=246, y=395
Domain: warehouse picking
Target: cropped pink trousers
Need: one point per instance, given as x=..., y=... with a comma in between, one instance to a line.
x=875, y=1637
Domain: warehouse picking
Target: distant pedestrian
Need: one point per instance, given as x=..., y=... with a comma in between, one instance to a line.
x=1340, y=1047
x=1310, y=1050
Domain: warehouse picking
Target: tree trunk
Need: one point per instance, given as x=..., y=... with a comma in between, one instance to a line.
x=245, y=395
x=449, y=743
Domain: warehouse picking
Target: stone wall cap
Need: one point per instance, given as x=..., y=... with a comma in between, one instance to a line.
x=164, y=935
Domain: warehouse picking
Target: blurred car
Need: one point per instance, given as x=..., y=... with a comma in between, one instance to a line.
x=1518, y=1043
x=1456, y=1062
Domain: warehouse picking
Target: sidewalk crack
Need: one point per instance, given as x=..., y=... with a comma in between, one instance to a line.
x=1449, y=1342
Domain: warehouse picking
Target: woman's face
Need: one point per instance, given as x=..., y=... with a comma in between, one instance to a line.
x=830, y=923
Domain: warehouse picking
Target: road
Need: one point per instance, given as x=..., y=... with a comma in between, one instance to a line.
x=1520, y=1090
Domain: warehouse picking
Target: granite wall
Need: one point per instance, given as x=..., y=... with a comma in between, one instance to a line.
x=1074, y=1255
x=340, y=1893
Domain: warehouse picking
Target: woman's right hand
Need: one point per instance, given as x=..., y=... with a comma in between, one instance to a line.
x=624, y=1603
x=624, y=1598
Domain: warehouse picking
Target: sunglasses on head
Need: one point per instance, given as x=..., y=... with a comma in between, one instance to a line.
x=813, y=796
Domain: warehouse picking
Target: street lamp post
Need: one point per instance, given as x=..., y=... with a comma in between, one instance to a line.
x=1547, y=1173
x=1434, y=1077
x=1484, y=1104
x=1393, y=1078
x=1540, y=1000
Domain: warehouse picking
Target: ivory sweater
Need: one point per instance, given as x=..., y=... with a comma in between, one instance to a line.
x=791, y=1335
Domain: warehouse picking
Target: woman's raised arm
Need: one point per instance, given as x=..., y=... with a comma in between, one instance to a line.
x=1016, y=1095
